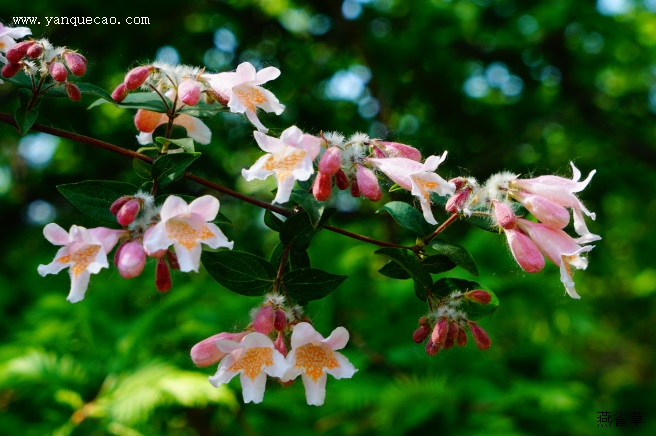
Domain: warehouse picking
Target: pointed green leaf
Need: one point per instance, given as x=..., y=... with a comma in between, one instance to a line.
x=187, y=144
x=307, y=284
x=394, y=271
x=171, y=167
x=457, y=254
x=407, y=217
x=142, y=168
x=412, y=266
x=298, y=231
x=137, y=100
x=272, y=221
x=91, y=89
x=94, y=197
x=310, y=204
x=203, y=110
x=25, y=119
x=446, y=286
x=241, y=272
x=24, y=97
x=438, y=264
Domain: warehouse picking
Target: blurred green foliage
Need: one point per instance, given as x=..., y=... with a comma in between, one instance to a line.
x=500, y=84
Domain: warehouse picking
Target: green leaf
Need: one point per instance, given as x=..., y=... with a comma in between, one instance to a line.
x=94, y=197
x=142, y=169
x=203, y=110
x=457, y=254
x=90, y=88
x=412, y=267
x=187, y=144
x=408, y=217
x=137, y=100
x=20, y=79
x=394, y=271
x=25, y=119
x=24, y=97
x=295, y=259
x=438, y=264
x=310, y=204
x=272, y=221
x=446, y=286
x=307, y=284
x=298, y=230
x=171, y=167
x=241, y=272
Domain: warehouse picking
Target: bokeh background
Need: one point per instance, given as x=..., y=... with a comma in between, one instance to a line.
x=501, y=84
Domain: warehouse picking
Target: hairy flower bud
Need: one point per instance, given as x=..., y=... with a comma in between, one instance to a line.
x=504, y=215
x=206, y=353
x=280, y=321
x=73, y=92
x=162, y=276
x=421, y=334
x=459, y=182
x=76, y=63
x=479, y=296
x=120, y=93
x=368, y=183
x=432, y=348
x=189, y=92
x=58, y=72
x=341, y=180
x=396, y=149
x=128, y=212
x=34, y=51
x=440, y=331
x=331, y=161
x=323, y=185
x=136, y=77
x=10, y=70
x=18, y=52
x=456, y=202
x=279, y=345
x=481, y=338
x=130, y=259
x=263, y=322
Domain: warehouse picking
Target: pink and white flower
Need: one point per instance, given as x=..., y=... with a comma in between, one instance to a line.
x=8, y=37
x=186, y=226
x=84, y=252
x=253, y=359
x=147, y=121
x=288, y=158
x=313, y=357
x=243, y=92
x=418, y=178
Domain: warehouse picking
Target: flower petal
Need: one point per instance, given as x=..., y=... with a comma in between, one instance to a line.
x=345, y=369
x=196, y=129
x=337, y=339
x=303, y=333
x=79, y=284
x=315, y=392
x=253, y=389
x=173, y=206
x=207, y=207
x=188, y=258
x=55, y=234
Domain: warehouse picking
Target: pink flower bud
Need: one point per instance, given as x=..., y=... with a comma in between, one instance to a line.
x=461, y=340
x=263, y=322
x=479, y=296
x=323, y=186
x=172, y=259
x=451, y=335
x=34, y=51
x=424, y=321
x=524, y=250
x=162, y=276
x=147, y=121
x=432, y=348
x=331, y=161
x=380, y=154
x=130, y=259
x=459, y=182
x=395, y=149
x=545, y=210
x=504, y=215
x=440, y=331
x=58, y=72
x=128, y=212
x=368, y=183
x=421, y=334
x=189, y=92
x=206, y=353
x=280, y=321
x=118, y=204
x=219, y=98
x=355, y=190
x=136, y=77
x=120, y=93
x=73, y=92
x=76, y=63
x=18, y=52
x=10, y=70
x=455, y=203
x=279, y=345
x=342, y=181
x=481, y=338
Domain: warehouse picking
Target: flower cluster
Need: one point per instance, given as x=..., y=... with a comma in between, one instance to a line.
x=252, y=354
x=148, y=231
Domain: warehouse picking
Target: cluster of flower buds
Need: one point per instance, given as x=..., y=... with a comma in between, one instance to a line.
x=253, y=354
x=446, y=326
x=547, y=199
x=148, y=231
x=40, y=57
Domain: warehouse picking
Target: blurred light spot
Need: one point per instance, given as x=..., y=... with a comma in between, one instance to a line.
x=650, y=5
x=320, y=24
x=532, y=57
x=550, y=76
x=351, y=9
x=482, y=3
x=217, y=59
x=614, y=7
x=408, y=124
x=253, y=57
x=37, y=149
x=593, y=43
x=652, y=104
x=295, y=20
x=574, y=31
x=527, y=25
x=378, y=130
x=5, y=179
x=512, y=86
x=348, y=84
x=167, y=54
x=476, y=87
x=362, y=72
x=40, y=212
x=345, y=202
x=368, y=107
x=381, y=27
x=496, y=74
x=225, y=40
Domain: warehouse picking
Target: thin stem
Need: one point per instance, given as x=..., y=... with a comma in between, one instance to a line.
x=441, y=228
x=36, y=91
